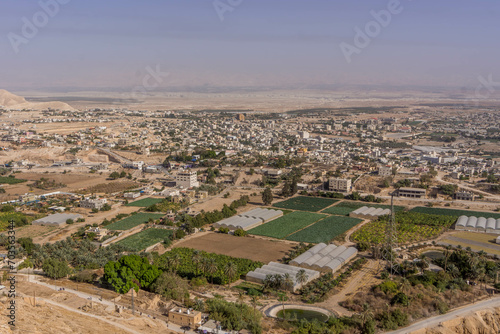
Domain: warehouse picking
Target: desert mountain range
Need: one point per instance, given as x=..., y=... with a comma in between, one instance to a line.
x=15, y=102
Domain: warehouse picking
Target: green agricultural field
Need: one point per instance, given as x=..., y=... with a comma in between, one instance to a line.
x=344, y=208
x=144, y=239
x=145, y=202
x=454, y=212
x=303, y=203
x=133, y=221
x=283, y=226
x=374, y=233
x=411, y=227
x=19, y=219
x=10, y=180
x=325, y=230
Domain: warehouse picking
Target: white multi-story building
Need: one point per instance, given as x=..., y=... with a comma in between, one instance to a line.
x=93, y=203
x=339, y=185
x=187, y=179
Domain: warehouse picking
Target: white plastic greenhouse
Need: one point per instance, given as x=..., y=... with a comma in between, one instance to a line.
x=273, y=268
x=325, y=257
x=481, y=224
x=249, y=220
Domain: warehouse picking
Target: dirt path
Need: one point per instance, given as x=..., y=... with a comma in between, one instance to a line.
x=81, y=313
x=348, y=241
x=33, y=279
x=354, y=284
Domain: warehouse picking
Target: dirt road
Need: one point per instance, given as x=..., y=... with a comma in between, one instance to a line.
x=363, y=278
x=96, y=299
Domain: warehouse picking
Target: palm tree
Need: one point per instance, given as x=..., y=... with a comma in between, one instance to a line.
x=230, y=270
x=287, y=282
x=447, y=254
x=268, y=281
x=453, y=270
x=366, y=315
x=282, y=297
x=301, y=277
x=168, y=263
x=211, y=268
x=197, y=259
x=404, y=286
x=277, y=281
x=175, y=260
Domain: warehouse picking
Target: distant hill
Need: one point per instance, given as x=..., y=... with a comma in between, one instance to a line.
x=15, y=102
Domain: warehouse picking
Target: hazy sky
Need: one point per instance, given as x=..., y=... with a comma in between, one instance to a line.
x=111, y=43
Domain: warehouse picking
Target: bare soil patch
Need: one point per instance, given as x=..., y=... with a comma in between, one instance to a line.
x=244, y=247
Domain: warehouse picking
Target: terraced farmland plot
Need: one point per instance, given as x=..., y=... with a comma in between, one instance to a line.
x=144, y=239
x=344, y=208
x=454, y=212
x=145, y=202
x=283, y=226
x=303, y=203
x=325, y=230
x=133, y=221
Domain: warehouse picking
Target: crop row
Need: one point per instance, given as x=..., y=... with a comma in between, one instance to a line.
x=283, y=226
x=325, y=230
x=303, y=203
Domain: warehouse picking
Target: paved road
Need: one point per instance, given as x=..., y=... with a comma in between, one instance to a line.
x=461, y=312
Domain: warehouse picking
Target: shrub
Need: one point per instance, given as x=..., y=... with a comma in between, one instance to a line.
x=224, y=230
x=199, y=281
x=400, y=298
x=441, y=306
x=240, y=232
x=363, y=246
x=388, y=287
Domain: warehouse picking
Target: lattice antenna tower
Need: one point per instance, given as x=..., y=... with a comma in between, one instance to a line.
x=389, y=253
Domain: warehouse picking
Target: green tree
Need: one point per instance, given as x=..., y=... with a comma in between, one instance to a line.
x=285, y=191
x=301, y=276
x=55, y=269
x=171, y=286
x=130, y=271
x=230, y=270
x=114, y=175
x=267, y=196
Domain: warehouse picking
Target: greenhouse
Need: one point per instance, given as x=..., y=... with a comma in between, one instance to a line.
x=475, y=224
x=249, y=220
x=273, y=268
x=366, y=212
x=324, y=257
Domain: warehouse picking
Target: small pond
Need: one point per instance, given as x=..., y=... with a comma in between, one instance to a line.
x=302, y=314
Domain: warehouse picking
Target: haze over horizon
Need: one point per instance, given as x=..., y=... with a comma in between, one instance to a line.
x=95, y=44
